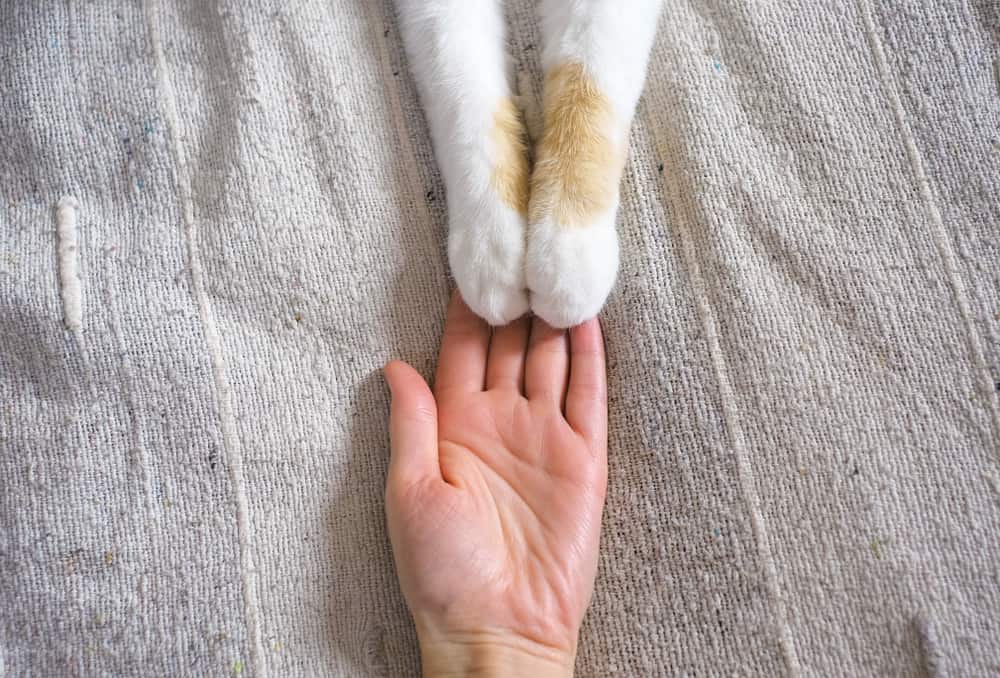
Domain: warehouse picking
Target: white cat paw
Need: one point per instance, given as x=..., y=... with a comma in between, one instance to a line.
x=570, y=270
x=487, y=260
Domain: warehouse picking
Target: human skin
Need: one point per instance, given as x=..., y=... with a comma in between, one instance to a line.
x=494, y=494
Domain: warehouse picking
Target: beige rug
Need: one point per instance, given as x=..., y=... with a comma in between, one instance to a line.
x=804, y=340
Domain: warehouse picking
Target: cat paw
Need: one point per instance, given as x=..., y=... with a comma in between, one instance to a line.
x=572, y=258
x=488, y=264
x=570, y=270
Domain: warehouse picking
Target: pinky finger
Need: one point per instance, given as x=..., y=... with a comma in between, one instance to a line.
x=587, y=396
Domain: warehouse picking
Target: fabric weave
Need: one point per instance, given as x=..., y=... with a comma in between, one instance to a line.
x=804, y=341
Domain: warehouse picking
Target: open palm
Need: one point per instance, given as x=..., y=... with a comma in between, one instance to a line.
x=497, y=482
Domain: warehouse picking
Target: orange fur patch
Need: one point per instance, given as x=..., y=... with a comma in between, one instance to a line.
x=510, y=173
x=577, y=167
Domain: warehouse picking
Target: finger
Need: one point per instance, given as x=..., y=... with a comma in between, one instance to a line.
x=547, y=364
x=587, y=395
x=505, y=364
x=462, y=362
x=412, y=426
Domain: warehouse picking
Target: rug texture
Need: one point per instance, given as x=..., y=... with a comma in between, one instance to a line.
x=219, y=219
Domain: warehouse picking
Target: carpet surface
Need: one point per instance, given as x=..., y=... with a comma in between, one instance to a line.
x=804, y=341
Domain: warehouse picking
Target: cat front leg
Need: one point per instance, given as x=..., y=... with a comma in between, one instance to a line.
x=594, y=59
x=456, y=52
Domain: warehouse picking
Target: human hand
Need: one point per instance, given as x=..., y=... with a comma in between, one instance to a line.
x=494, y=494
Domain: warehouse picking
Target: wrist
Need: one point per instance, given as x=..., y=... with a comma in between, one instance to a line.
x=490, y=655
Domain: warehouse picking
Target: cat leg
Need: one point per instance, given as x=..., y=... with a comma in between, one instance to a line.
x=456, y=52
x=594, y=60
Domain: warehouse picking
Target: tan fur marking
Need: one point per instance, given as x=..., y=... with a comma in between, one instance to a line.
x=510, y=173
x=577, y=167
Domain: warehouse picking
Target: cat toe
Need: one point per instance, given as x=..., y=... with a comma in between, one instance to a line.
x=570, y=270
x=488, y=265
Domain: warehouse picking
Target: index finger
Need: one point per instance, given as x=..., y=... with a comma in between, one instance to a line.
x=464, y=344
x=587, y=395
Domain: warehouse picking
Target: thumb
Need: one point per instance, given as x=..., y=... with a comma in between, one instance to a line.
x=412, y=425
